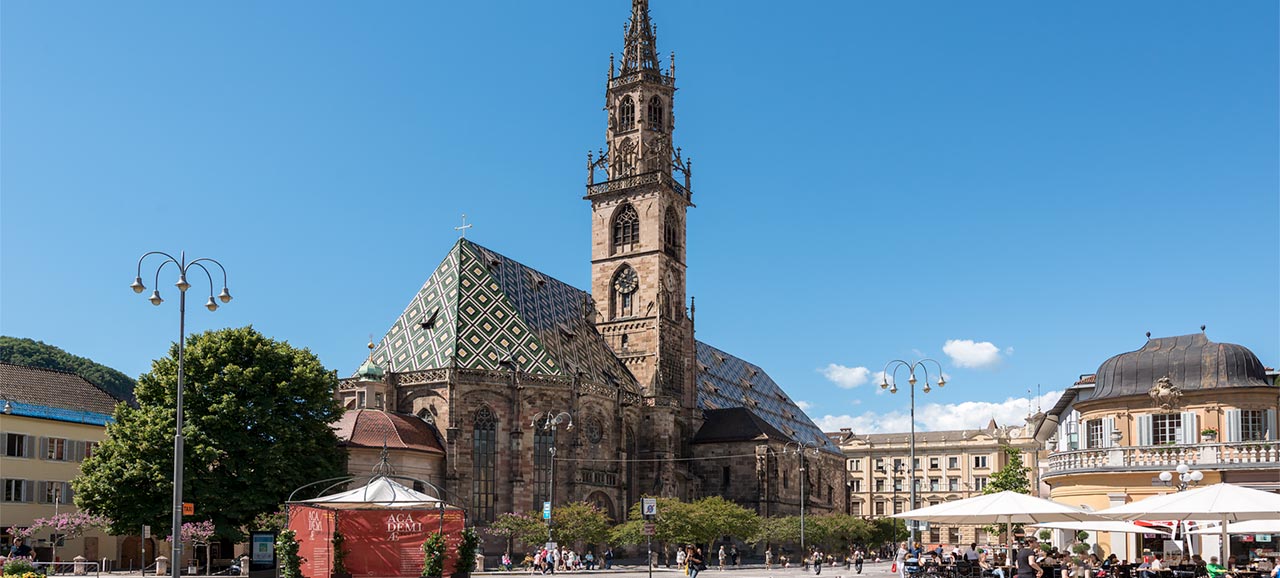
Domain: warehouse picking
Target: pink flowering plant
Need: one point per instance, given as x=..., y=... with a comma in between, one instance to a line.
x=69, y=524
x=196, y=532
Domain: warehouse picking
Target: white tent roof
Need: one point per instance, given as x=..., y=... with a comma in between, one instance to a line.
x=1227, y=502
x=998, y=508
x=380, y=492
x=1104, y=526
x=1250, y=527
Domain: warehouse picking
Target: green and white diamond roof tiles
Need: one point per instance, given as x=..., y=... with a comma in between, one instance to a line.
x=479, y=309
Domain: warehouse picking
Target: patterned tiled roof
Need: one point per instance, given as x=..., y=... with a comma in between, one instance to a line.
x=735, y=424
x=725, y=381
x=53, y=389
x=479, y=309
x=372, y=428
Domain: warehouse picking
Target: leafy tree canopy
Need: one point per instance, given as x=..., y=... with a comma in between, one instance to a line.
x=257, y=415
x=1012, y=477
x=699, y=522
x=32, y=353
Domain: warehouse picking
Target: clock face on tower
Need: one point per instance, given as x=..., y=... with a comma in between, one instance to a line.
x=671, y=280
x=627, y=282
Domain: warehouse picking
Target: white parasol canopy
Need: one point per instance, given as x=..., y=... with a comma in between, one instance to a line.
x=380, y=492
x=1223, y=502
x=1249, y=527
x=1101, y=525
x=999, y=508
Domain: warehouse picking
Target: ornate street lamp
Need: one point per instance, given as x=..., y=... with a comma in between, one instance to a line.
x=893, y=388
x=549, y=421
x=799, y=451
x=1186, y=477
x=184, y=267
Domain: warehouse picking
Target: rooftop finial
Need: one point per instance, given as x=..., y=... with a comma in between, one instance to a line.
x=1148, y=335
x=1202, y=328
x=640, y=46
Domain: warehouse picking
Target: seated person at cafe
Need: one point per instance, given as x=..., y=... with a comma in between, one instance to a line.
x=984, y=562
x=1214, y=569
x=1154, y=568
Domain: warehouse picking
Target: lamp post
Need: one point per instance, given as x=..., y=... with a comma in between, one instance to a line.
x=184, y=267
x=799, y=451
x=1186, y=478
x=549, y=421
x=911, y=379
x=893, y=478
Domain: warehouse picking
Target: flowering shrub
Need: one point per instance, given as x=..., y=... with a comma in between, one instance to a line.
x=196, y=532
x=18, y=566
x=70, y=524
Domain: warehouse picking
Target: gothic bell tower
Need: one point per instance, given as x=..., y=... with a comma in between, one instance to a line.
x=639, y=194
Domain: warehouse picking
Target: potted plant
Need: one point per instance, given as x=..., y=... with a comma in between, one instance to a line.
x=1209, y=434
x=339, y=556
x=290, y=561
x=466, y=554
x=432, y=556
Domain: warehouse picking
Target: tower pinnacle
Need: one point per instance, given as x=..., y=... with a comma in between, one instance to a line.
x=640, y=46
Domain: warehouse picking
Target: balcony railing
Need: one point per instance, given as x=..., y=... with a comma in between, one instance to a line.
x=1237, y=455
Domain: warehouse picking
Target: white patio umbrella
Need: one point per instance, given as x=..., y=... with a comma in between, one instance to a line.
x=999, y=508
x=380, y=492
x=1249, y=527
x=1101, y=525
x=1223, y=502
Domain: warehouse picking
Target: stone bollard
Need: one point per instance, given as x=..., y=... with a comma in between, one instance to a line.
x=479, y=563
x=162, y=566
x=78, y=565
x=244, y=565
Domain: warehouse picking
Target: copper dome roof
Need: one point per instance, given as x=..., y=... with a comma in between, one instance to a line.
x=371, y=428
x=1191, y=362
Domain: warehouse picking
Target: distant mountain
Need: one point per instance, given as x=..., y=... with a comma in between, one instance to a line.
x=32, y=353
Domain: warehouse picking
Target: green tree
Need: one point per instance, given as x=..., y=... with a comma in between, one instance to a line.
x=257, y=415
x=835, y=532
x=779, y=530
x=32, y=353
x=1012, y=477
x=579, y=522
x=522, y=528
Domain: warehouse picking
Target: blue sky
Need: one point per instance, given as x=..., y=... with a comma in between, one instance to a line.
x=1045, y=180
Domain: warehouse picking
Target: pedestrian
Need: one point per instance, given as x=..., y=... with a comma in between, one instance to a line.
x=900, y=561
x=19, y=549
x=1027, y=566
x=722, y=556
x=858, y=556
x=734, y=556
x=768, y=558
x=693, y=557
x=608, y=557
x=680, y=557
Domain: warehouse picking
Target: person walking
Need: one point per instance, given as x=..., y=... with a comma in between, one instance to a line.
x=768, y=558
x=858, y=556
x=1027, y=567
x=900, y=560
x=722, y=557
x=693, y=557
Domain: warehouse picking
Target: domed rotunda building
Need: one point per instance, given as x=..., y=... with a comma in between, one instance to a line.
x=1176, y=400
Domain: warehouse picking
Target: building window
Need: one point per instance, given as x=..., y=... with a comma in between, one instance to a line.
x=919, y=484
x=626, y=227
x=626, y=114
x=633, y=453
x=671, y=234
x=855, y=486
x=880, y=507
x=1093, y=434
x=879, y=486
x=544, y=438
x=979, y=483
x=1253, y=425
x=953, y=462
x=53, y=492
x=933, y=463
x=897, y=507
x=980, y=462
x=953, y=535
x=855, y=508
x=17, y=445
x=953, y=484
x=625, y=285
x=855, y=465
x=898, y=464
x=880, y=464
x=935, y=484
x=360, y=399
x=786, y=480
x=1166, y=428
x=724, y=478
x=55, y=449
x=935, y=534
x=655, y=113
x=897, y=484
x=915, y=463
x=18, y=490
x=484, y=445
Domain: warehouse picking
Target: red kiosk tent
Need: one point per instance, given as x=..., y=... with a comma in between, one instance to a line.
x=384, y=525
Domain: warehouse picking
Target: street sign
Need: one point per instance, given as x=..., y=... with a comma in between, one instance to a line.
x=546, y=510
x=650, y=529
x=649, y=507
x=146, y=532
x=188, y=509
x=550, y=546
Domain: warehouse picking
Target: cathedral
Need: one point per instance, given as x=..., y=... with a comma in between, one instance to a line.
x=505, y=388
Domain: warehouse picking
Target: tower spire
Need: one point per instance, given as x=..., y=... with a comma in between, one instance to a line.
x=640, y=46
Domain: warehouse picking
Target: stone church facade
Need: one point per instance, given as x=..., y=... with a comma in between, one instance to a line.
x=489, y=349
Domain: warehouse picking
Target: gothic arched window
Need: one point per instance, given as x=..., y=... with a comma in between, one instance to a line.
x=633, y=454
x=671, y=232
x=626, y=227
x=625, y=284
x=484, y=462
x=544, y=438
x=626, y=114
x=655, y=113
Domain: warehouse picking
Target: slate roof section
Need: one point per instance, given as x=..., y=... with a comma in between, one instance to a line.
x=725, y=381
x=53, y=389
x=480, y=308
x=371, y=428
x=736, y=424
x=1192, y=362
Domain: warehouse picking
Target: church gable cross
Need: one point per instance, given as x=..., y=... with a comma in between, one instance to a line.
x=462, y=230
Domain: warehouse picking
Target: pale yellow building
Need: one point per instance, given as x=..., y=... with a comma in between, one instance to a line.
x=1176, y=400
x=949, y=465
x=51, y=422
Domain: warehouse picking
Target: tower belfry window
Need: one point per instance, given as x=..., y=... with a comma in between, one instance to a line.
x=655, y=113
x=626, y=114
x=671, y=233
x=626, y=227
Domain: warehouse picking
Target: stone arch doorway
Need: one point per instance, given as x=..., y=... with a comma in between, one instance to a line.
x=131, y=555
x=604, y=502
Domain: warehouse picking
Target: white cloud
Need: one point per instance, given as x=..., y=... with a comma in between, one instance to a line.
x=1012, y=411
x=803, y=405
x=846, y=377
x=973, y=354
